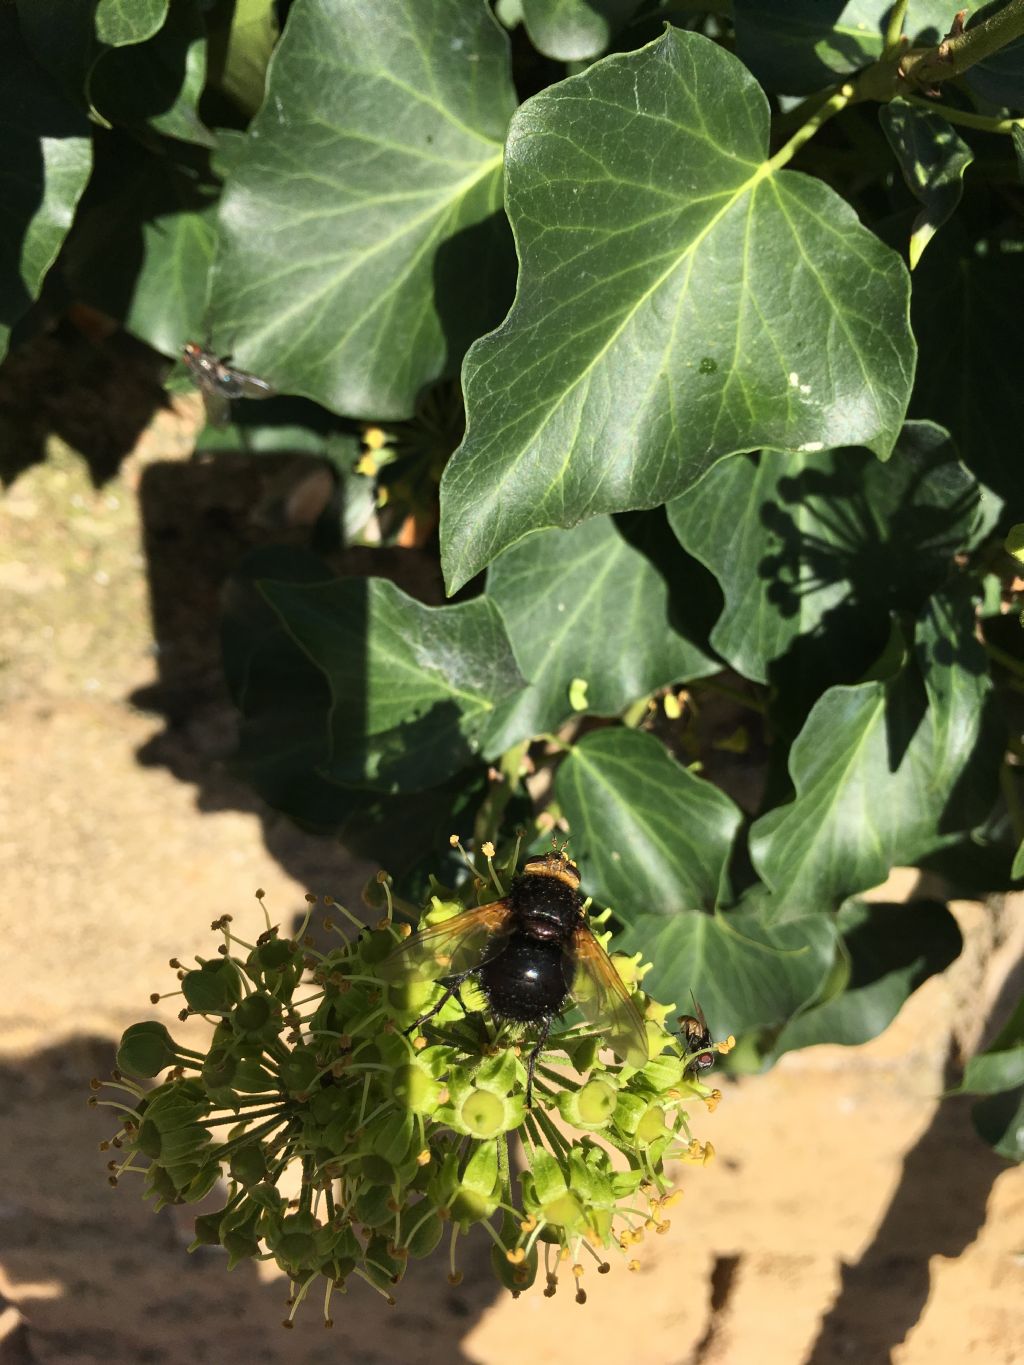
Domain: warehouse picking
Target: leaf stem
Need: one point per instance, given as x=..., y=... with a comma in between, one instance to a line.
x=956, y=53
x=986, y=123
x=835, y=103
x=894, y=29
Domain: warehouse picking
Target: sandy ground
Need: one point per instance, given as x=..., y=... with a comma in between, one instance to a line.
x=851, y=1215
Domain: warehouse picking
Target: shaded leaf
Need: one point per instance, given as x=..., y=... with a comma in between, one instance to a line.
x=157, y=82
x=143, y=244
x=891, y=950
x=884, y=770
x=1001, y=1065
x=574, y=30
x=999, y=1121
x=827, y=545
x=650, y=335
x=967, y=320
x=650, y=835
x=413, y=688
x=362, y=246
x=933, y=158
x=591, y=607
x=802, y=45
x=46, y=164
x=744, y=973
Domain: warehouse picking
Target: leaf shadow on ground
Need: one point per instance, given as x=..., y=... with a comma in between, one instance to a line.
x=107, y=1279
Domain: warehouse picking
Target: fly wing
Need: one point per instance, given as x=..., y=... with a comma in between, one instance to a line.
x=456, y=945
x=250, y=386
x=602, y=996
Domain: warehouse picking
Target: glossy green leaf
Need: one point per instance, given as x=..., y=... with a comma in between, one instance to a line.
x=891, y=950
x=679, y=300
x=591, y=607
x=650, y=835
x=361, y=241
x=802, y=45
x=819, y=548
x=933, y=158
x=1001, y=1065
x=884, y=770
x=121, y=22
x=158, y=82
x=967, y=320
x=413, y=688
x=47, y=157
x=574, y=30
x=143, y=244
x=744, y=974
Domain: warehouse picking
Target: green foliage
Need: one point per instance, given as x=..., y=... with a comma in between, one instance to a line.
x=719, y=487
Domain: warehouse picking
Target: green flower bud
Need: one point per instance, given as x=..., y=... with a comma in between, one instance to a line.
x=213, y=988
x=413, y=1086
x=248, y=1164
x=146, y=1049
x=299, y=1071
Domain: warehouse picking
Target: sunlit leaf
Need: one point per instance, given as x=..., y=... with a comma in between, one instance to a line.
x=413, y=688
x=362, y=245
x=884, y=770
x=574, y=30
x=606, y=622
x=744, y=973
x=649, y=834
x=120, y=22
x=679, y=300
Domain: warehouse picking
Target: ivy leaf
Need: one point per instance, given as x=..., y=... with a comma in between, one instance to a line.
x=242, y=36
x=413, y=688
x=46, y=164
x=812, y=552
x=157, y=83
x=650, y=336
x=361, y=244
x=933, y=158
x=744, y=973
x=608, y=622
x=802, y=45
x=1001, y=1065
x=650, y=835
x=143, y=242
x=122, y=22
x=967, y=320
x=891, y=950
x=574, y=30
x=999, y=1121
x=883, y=770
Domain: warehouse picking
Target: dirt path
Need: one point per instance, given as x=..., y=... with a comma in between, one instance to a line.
x=850, y=1216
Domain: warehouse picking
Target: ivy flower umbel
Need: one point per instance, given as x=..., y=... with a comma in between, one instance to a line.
x=400, y=1137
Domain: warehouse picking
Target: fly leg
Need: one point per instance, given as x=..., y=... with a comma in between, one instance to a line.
x=452, y=989
x=531, y=1060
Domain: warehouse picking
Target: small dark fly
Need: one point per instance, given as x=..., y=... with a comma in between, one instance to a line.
x=529, y=953
x=220, y=383
x=697, y=1037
